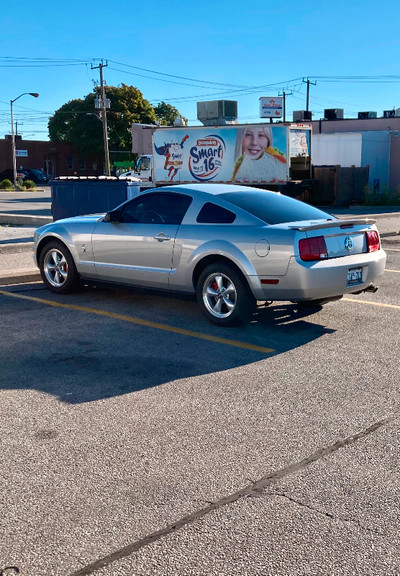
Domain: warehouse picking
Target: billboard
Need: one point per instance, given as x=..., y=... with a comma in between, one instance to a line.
x=271, y=107
x=255, y=153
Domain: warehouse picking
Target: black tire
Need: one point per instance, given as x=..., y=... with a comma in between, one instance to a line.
x=57, y=268
x=224, y=295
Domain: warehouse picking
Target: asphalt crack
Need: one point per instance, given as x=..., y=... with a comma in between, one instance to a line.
x=326, y=514
x=252, y=490
x=303, y=505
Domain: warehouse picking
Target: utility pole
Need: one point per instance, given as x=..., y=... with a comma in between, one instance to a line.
x=104, y=117
x=14, y=159
x=284, y=94
x=308, y=92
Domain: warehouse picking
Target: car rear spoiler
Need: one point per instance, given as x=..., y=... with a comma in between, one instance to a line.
x=348, y=223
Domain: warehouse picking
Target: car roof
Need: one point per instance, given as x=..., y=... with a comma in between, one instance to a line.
x=210, y=188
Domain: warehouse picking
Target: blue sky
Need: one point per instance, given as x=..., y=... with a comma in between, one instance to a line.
x=184, y=52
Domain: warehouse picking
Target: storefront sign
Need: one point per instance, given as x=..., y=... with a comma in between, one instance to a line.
x=271, y=107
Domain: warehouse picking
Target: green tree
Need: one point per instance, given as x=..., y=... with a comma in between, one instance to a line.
x=76, y=121
x=167, y=114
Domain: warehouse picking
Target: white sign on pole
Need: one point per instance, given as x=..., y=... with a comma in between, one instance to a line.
x=271, y=107
x=21, y=153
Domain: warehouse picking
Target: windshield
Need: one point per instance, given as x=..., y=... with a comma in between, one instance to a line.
x=143, y=164
x=274, y=208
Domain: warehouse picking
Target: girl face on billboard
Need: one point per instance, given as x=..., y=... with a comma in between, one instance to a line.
x=255, y=141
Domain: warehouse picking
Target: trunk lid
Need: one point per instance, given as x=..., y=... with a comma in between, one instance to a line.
x=342, y=237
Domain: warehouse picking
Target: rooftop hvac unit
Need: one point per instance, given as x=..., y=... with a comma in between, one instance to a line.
x=300, y=115
x=397, y=114
x=366, y=115
x=9, y=137
x=217, y=112
x=389, y=113
x=333, y=113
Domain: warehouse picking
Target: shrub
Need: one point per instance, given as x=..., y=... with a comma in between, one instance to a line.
x=6, y=184
x=384, y=198
x=29, y=184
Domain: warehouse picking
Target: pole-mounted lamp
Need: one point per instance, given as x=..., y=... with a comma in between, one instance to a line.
x=35, y=95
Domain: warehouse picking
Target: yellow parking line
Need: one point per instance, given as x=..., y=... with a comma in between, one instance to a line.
x=380, y=304
x=141, y=322
x=392, y=249
x=388, y=270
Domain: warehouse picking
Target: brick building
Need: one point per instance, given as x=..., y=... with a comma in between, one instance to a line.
x=54, y=158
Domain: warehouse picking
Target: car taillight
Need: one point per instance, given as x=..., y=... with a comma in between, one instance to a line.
x=373, y=241
x=313, y=249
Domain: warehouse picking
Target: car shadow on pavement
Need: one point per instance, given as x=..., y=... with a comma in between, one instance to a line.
x=80, y=356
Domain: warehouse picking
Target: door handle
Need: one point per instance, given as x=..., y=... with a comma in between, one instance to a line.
x=161, y=237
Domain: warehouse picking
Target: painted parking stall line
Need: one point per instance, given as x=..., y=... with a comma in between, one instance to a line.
x=368, y=303
x=141, y=322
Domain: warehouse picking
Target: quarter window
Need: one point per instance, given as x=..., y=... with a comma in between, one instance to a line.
x=214, y=214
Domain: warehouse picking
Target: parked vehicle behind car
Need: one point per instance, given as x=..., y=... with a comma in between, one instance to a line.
x=9, y=175
x=230, y=245
x=34, y=174
x=129, y=176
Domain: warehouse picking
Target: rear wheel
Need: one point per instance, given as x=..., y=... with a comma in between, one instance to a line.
x=224, y=295
x=57, y=268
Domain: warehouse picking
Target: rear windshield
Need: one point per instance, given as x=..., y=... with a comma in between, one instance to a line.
x=274, y=208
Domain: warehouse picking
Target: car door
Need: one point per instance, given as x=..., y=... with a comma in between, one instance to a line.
x=138, y=247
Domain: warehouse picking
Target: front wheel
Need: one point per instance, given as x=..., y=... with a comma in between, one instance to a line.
x=57, y=268
x=224, y=295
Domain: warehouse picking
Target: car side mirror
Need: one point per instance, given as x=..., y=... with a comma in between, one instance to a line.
x=113, y=216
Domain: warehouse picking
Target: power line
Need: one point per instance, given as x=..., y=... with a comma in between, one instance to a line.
x=368, y=79
x=208, y=82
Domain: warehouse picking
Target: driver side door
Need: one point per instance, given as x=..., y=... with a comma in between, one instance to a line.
x=138, y=248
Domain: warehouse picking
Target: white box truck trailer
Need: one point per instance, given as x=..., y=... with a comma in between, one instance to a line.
x=265, y=155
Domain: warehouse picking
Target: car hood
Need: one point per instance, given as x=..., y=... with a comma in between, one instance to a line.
x=60, y=225
x=87, y=218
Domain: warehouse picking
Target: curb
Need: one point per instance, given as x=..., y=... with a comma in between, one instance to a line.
x=13, y=247
x=26, y=219
x=20, y=277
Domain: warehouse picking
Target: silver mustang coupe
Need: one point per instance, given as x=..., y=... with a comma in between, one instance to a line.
x=230, y=245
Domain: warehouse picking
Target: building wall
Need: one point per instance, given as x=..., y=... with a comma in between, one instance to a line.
x=337, y=149
x=390, y=125
x=376, y=154
x=359, y=149
x=54, y=158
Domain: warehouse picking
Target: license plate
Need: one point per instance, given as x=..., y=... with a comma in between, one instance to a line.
x=354, y=276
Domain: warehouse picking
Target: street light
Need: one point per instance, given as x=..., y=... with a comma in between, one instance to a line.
x=35, y=95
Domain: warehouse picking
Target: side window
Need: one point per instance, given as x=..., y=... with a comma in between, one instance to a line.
x=214, y=214
x=156, y=208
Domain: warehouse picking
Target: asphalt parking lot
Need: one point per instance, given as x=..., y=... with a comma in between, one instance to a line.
x=137, y=439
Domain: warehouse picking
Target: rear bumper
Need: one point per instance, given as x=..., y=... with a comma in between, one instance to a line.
x=322, y=279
